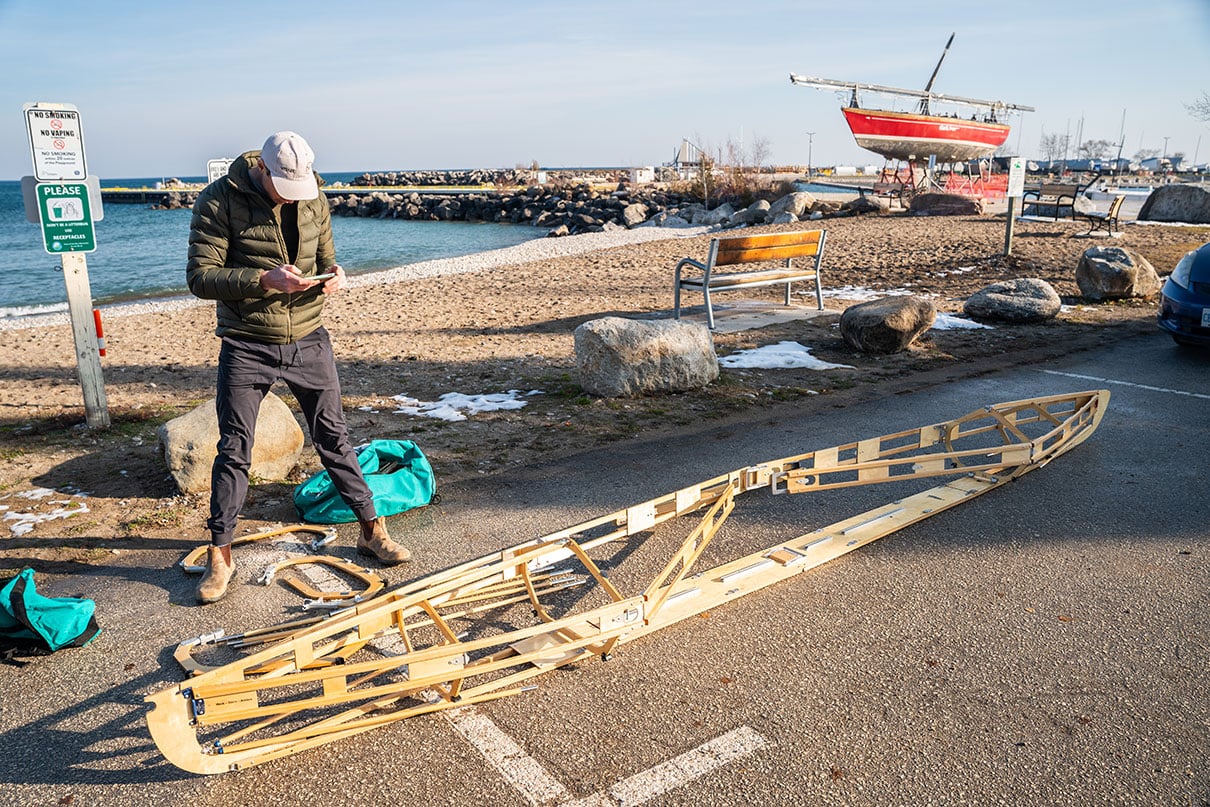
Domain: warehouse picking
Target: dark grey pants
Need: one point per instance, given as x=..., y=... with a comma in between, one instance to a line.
x=246, y=370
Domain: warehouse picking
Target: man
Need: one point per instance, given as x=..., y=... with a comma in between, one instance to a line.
x=260, y=245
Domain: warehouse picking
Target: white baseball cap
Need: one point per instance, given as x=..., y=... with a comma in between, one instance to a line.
x=289, y=160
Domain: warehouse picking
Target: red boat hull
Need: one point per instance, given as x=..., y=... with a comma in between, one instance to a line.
x=907, y=136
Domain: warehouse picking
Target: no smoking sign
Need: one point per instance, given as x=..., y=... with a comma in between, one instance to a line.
x=56, y=142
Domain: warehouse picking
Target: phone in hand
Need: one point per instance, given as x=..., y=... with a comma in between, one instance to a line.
x=326, y=276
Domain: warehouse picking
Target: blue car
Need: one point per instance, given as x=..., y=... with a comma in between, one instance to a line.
x=1185, y=299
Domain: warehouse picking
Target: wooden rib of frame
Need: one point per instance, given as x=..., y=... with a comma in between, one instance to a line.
x=305, y=688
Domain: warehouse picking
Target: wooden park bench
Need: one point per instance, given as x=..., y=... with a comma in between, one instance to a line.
x=1107, y=219
x=1060, y=197
x=746, y=249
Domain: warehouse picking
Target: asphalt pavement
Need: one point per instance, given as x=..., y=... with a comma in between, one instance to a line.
x=1044, y=644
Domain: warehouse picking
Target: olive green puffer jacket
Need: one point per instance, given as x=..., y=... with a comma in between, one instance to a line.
x=236, y=235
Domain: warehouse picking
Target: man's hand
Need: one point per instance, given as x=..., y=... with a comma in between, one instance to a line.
x=335, y=284
x=286, y=278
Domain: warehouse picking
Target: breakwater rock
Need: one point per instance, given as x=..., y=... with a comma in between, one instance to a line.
x=429, y=179
x=582, y=209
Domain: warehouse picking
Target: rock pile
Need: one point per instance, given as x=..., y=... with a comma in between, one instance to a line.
x=449, y=179
x=584, y=209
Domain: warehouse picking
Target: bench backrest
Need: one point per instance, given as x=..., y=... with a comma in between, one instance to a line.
x=770, y=247
x=1055, y=190
x=1116, y=205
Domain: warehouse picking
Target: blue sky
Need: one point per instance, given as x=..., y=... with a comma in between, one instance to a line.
x=164, y=86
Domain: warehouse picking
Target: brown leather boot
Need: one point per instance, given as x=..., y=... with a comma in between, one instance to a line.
x=376, y=541
x=219, y=569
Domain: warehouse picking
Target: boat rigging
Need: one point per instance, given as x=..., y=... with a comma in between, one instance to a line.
x=923, y=134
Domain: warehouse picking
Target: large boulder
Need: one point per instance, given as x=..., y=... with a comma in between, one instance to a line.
x=634, y=214
x=796, y=204
x=1024, y=300
x=1115, y=273
x=190, y=444
x=866, y=203
x=754, y=213
x=619, y=357
x=711, y=218
x=887, y=325
x=1183, y=203
x=945, y=204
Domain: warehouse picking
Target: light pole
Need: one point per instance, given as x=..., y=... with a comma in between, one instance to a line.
x=810, y=143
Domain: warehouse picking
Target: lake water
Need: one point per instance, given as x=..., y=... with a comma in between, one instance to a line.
x=141, y=252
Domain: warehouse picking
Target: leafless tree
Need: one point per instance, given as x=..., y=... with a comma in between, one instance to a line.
x=1096, y=149
x=1200, y=108
x=761, y=149
x=1054, y=146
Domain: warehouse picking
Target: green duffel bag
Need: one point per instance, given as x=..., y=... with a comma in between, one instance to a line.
x=398, y=473
x=32, y=624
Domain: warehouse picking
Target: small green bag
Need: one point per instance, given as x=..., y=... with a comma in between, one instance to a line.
x=32, y=623
x=399, y=476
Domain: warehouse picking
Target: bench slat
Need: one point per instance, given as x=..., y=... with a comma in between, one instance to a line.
x=770, y=240
x=749, y=278
x=727, y=255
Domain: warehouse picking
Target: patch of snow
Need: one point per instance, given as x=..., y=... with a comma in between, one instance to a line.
x=455, y=406
x=37, y=493
x=781, y=355
x=859, y=293
x=23, y=523
x=949, y=322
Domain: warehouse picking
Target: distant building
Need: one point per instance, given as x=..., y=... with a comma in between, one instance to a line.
x=640, y=176
x=688, y=160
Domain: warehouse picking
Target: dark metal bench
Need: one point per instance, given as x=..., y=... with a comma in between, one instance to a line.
x=1058, y=197
x=1107, y=219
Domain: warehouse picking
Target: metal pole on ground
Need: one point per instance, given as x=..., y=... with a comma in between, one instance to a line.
x=1016, y=189
x=83, y=331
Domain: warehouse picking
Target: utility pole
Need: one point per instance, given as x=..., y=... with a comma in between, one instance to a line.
x=1166, y=139
x=810, y=143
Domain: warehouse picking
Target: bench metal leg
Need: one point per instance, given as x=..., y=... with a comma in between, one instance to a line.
x=676, y=298
x=709, y=307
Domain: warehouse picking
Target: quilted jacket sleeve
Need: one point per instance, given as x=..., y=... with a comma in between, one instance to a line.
x=207, y=273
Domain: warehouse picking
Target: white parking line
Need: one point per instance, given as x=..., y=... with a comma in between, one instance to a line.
x=655, y=782
x=521, y=770
x=535, y=784
x=1147, y=387
x=539, y=787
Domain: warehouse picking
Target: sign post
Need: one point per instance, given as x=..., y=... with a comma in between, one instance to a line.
x=1016, y=190
x=56, y=143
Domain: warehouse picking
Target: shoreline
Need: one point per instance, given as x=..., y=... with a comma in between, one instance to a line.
x=534, y=250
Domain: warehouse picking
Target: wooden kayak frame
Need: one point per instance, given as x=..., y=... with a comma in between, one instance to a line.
x=307, y=686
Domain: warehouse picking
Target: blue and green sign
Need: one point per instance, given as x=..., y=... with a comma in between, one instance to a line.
x=66, y=217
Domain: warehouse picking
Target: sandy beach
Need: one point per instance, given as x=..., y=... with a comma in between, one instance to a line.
x=505, y=321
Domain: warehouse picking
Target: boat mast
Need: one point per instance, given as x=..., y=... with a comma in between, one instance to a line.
x=928, y=89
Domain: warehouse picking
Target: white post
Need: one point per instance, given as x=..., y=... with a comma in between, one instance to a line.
x=84, y=331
